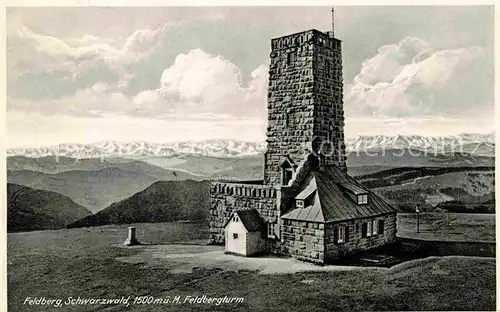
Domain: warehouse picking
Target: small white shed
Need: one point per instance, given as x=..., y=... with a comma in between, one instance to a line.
x=243, y=233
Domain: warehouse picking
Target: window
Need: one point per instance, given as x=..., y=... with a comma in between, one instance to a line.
x=364, y=230
x=327, y=68
x=287, y=175
x=362, y=199
x=374, y=227
x=309, y=201
x=235, y=235
x=235, y=219
x=270, y=230
x=381, y=226
x=291, y=58
x=299, y=203
x=341, y=235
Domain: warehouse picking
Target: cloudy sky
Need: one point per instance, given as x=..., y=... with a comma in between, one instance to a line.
x=174, y=74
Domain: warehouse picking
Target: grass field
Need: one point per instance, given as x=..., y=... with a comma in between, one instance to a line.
x=457, y=227
x=83, y=262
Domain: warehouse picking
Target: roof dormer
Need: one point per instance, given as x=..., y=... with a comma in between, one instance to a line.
x=362, y=199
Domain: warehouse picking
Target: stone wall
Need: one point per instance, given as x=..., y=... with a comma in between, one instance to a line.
x=329, y=108
x=304, y=100
x=303, y=240
x=355, y=241
x=227, y=197
x=290, y=103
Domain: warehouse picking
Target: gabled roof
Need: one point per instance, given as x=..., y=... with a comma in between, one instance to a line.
x=310, y=188
x=250, y=218
x=312, y=213
x=287, y=162
x=333, y=202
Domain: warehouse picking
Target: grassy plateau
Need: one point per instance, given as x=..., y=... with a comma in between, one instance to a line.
x=82, y=262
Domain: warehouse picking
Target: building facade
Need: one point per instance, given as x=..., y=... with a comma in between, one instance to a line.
x=308, y=205
x=245, y=233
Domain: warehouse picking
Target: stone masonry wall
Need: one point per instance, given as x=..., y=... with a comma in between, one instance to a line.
x=290, y=102
x=303, y=240
x=304, y=100
x=329, y=108
x=356, y=242
x=227, y=197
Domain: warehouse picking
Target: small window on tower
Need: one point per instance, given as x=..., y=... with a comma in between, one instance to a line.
x=327, y=69
x=286, y=172
x=287, y=175
x=291, y=58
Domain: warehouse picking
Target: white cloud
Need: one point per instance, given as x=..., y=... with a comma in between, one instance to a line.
x=100, y=87
x=196, y=83
x=440, y=68
x=201, y=82
x=390, y=60
x=48, y=53
x=409, y=78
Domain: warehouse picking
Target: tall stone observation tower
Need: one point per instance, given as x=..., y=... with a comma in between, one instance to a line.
x=305, y=106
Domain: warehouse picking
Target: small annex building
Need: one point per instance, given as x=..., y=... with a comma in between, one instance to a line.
x=244, y=233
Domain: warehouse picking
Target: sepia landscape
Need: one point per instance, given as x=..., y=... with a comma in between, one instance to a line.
x=97, y=157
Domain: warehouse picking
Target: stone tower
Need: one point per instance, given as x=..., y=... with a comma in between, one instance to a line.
x=305, y=107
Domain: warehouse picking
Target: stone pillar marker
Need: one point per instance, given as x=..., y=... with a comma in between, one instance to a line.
x=131, y=239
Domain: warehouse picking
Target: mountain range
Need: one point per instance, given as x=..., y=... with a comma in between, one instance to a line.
x=481, y=144
x=166, y=182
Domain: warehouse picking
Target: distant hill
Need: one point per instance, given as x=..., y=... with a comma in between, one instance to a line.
x=93, y=189
x=53, y=164
x=249, y=167
x=455, y=189
x=358, y=163
x=163, y=201
x=211, y=168
x=407, y=157
x=29, y=209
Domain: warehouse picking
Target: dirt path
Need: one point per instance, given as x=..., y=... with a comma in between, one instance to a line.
x=186, y=258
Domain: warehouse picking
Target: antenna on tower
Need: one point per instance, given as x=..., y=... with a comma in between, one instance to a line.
x=333, y=22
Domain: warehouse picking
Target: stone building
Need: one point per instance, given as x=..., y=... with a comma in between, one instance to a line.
x=307, y=204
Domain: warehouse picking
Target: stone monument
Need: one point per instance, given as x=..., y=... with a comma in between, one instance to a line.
x=131, y=239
